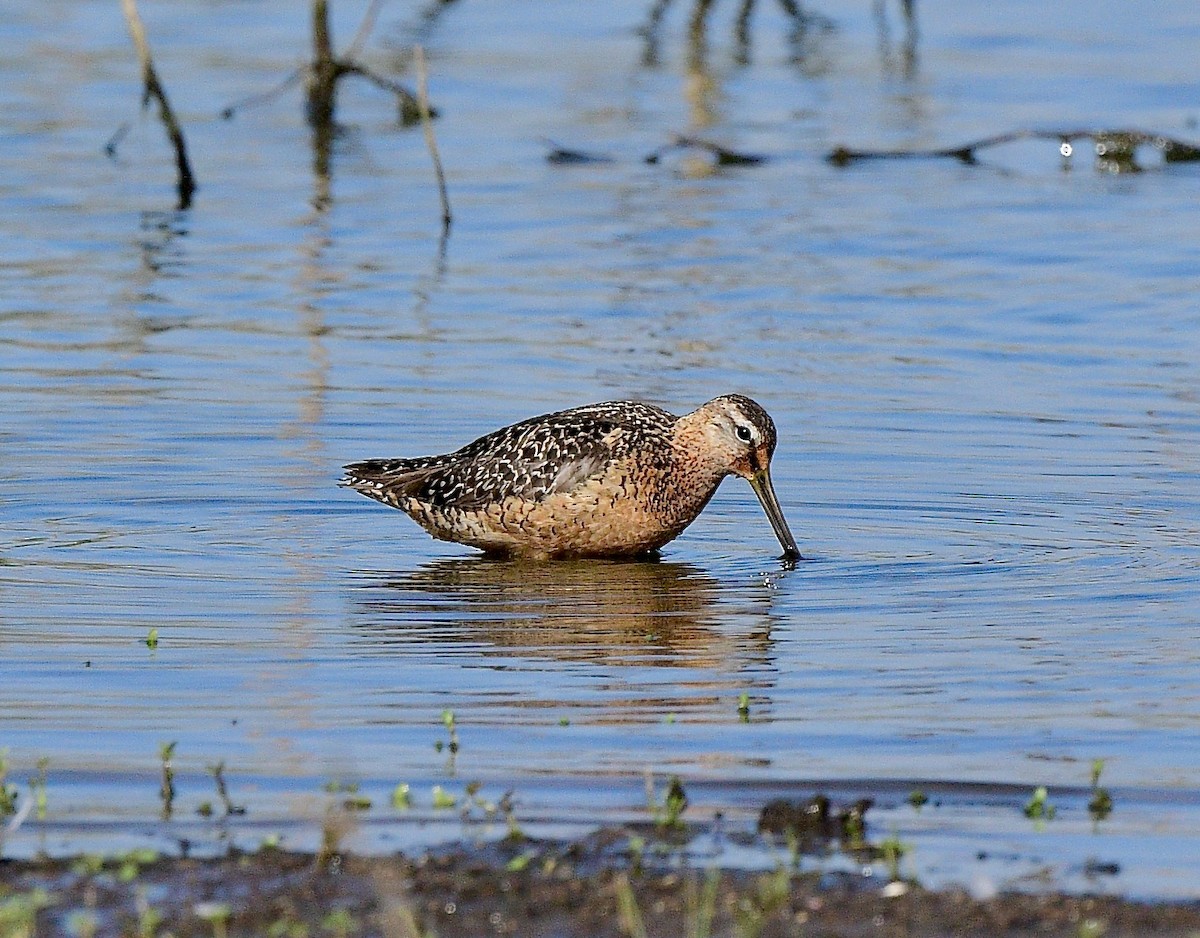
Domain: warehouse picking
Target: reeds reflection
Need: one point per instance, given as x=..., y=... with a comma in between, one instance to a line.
x=625, y=613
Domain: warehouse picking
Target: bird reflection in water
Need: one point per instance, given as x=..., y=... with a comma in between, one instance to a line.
x=646, y=612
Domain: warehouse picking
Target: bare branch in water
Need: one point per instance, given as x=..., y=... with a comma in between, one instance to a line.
x=230, y=111
x=322, y=74
x=430, y=140
x=1113, y=148
x=565, y=156
x=364, y=29
x=152, y=89
x=724, y=156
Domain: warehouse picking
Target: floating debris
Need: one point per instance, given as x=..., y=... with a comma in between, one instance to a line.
x=1115, y=150
x=564, y=156
x=724, y=155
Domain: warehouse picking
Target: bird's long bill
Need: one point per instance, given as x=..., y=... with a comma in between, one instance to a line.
x=761, y=483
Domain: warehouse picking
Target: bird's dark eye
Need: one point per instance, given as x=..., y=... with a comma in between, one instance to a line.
x=744, y=434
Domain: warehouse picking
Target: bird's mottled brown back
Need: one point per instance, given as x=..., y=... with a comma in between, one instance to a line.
x=528, y=460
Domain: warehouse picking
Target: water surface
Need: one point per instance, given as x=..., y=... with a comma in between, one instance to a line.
x=984, y=379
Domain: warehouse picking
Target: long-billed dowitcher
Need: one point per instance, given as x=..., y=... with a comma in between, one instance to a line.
x=616, y=479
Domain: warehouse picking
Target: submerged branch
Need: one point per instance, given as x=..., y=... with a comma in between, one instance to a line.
x=1113, y=147
x=724, y=156
x=152, y=89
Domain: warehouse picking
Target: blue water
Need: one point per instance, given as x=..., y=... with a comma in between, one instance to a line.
x=984, y=379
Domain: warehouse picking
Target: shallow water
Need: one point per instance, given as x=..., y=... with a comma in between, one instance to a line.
x=984, y=378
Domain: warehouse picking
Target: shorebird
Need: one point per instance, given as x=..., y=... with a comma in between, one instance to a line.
x=616, y=479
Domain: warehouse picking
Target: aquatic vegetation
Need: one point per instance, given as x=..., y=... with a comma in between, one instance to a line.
x=811, y=824
x=628, y=913
x=340, y=923
x=442, y=799
x=129, y=865
x=700, y=904
x=506, y=806
x=755, y=908
x=1039, y=807
x=892, y=849
x=521, y=861
x=18, y=913
x=166, y=752
x=451, y=723
x=151, y=639
x=667, y=815
x=149, y=918
x=83, y=923
x=743, y=709
x=287, y=927
x=37, y=787
x=637, y=853
x=402, y=797
x=918, y=799
x=1101, y=803
x=217, y=771
x=216, y=914
x=353, y=800
x=8, y=797
x=8, y=791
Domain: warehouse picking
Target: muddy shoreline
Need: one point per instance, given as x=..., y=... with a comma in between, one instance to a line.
x=593, y=887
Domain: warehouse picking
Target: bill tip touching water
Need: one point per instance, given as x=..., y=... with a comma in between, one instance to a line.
x=615, y=479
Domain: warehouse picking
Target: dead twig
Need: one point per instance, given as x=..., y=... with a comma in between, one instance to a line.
x=152, y=89
x=564, y=156
x=230, y=111
x=724, y=156
x=1113, y=148
x=430, y=140
x=365, y=29
x=322, y=74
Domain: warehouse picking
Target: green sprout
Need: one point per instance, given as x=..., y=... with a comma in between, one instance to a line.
x=1101, y=804
x=520, y=862
x=402, y=797
x=37, y=785
x=918, y=799
x=81, y=923
x=451, y=725
x=216, y=914
x=151, y=638
x=218, y=773
x=637, y=853
x=18, y=912
x=893, y=850
x=667, y=816
x=340, y=923
x=628, y=913
x=149, y=918
x=743, y=709
x=755, y=909
x=8, y=792
x=700, y=905
x=166, y=752
x=1039, y=807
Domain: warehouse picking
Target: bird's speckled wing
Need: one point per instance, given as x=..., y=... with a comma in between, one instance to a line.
x=529, y=460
